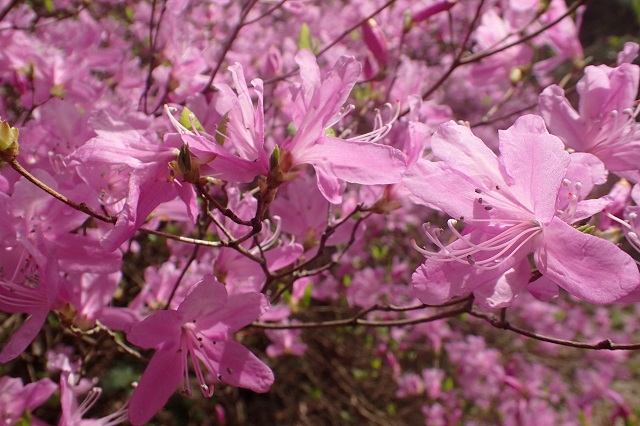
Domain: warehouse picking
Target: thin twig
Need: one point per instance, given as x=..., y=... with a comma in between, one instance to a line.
x=503, y=324
x=80, y=207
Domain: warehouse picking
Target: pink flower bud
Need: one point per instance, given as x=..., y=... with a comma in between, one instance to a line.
x=434, y=9
x=376, y=42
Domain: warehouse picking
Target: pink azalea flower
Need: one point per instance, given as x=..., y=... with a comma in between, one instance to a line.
x=73, y=413
x=318, y=103
x=285, y=342
x=119, y=147
x=201, y=328
x=510, y=204
x=605, y=123
x=16, y=398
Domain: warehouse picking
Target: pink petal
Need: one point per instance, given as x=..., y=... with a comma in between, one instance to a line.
x=506, y=288
x=158, y=382
x=239, y=311
x=544, y=289
x=207, y=296
x=537, y=162
x=38, y=393
x=156, y=330
x=463, y=151
x=432, y=183
x=561, y=119
x=237, y=366
x=588, y=267
x=22, y=338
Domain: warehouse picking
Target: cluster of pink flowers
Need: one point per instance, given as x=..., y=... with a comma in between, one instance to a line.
x=152, y=194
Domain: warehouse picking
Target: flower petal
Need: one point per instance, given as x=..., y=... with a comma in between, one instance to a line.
x=588, y=267
x=536, y=161
x=237, y=366
x=156, y=330
x=22, y=338
x=158, y=382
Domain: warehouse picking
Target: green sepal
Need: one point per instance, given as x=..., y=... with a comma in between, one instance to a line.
x=587, y=229
x=221, y=130
x=304, y=38
x=8, y=140
x=186, y=122
x=274, y=160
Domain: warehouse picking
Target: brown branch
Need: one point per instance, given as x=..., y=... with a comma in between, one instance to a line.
x=4, y=12
x=267, y=13
x=357, y=320
x=334, y=42
x=503, y=324
x=80, y=207
x=227, y=46
x=489, y=52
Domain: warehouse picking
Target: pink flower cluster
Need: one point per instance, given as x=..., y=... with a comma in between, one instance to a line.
x=151, y=195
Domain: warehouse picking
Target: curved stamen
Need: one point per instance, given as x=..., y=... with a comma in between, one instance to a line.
x=499, y=248
x=344, y=111
x=630, y=231
x=380, y=129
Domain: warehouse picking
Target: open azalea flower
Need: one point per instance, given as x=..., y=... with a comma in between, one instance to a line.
x=201, y=328
x=510, y=204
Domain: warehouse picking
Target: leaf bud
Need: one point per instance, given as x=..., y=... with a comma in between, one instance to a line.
x=8, y=141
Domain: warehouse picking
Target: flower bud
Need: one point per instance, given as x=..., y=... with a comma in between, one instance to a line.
x=434, y=9
x=8, y=141
x=376, y=42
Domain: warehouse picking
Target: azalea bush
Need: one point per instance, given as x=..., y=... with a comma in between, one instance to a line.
x=336, y=212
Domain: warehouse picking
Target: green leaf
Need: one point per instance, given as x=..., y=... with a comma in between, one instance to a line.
x=304, y=39
x=186, y=122
x=587, y=229
x=635, y=4
x=291, y=129
x=221, y=131
x=306, y=297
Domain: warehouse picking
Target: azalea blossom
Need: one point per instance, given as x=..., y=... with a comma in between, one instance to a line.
x=510, y=206
x=605, y=122
x=17, y=398
x=318, y=106
x=201, y=328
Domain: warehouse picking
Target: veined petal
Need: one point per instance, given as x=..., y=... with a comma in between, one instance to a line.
x=437, y=185
x=594, y=89
x=239, y=311
x=544, y=289
x=464, y=152
x=158, y=382
x=562, y=120
x=504, y=290
x=588, y=267
x=148, y=188
x=156, y=330
x=357, y=162
x=237, y=366
x=436, y=282
x=209, y=295
x=537, y=162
